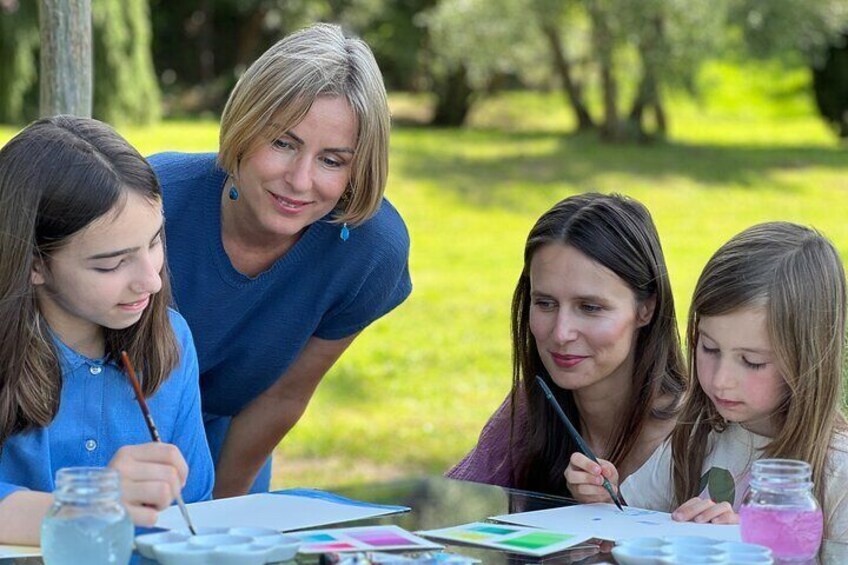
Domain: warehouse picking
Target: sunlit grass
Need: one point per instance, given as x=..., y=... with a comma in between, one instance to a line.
x=415, y=388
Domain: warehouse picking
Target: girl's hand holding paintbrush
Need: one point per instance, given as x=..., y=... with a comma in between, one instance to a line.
x=585, y=479
x=152, y=475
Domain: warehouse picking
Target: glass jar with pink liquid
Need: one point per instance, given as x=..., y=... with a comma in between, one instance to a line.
x=780, y=511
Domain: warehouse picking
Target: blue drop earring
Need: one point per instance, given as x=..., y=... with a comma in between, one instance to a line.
x=344, y=234
x=234, y=193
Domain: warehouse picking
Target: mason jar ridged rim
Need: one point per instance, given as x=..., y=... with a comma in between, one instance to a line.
x=781, y=474
x=81, y=485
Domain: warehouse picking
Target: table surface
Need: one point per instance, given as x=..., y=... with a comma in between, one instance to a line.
x=438, y=502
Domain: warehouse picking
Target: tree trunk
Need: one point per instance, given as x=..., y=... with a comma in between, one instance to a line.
x=66, y=77
x=647, y=95
x=659, y=111
x=603, y=41
x=611, y=128
x=640, y=100
x=643, y=100
x=205, y=40
x=249, y=37
x=830, y=86
x=453, y=99
x=573, y=90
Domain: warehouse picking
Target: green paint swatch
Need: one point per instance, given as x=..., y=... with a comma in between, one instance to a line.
x=494, y=530
x=471, y=536
x=536, y=540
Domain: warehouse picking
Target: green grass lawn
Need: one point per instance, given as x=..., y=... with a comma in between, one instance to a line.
x=414, y=390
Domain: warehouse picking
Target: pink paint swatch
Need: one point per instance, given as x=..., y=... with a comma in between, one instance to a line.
x=381, y=539
x=341, y=546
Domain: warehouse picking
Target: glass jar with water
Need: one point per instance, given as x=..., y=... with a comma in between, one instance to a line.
x=87, y=522
x=780, y=511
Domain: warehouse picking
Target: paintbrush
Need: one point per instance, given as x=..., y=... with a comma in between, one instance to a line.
x=154, y=433
x=581, y=444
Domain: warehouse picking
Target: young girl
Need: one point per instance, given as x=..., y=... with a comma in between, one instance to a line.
x=83, y=278
x=765, y=339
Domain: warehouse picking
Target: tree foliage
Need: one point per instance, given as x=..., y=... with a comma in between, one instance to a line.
x=200, y=48
x=19, y=41
x=619, y=45
x=830, y=83
x=629, y=53
x=615, y=60
x=396, y=32
x=125, y=86
x=818, y=29
x=473, y=45
x=778, y=27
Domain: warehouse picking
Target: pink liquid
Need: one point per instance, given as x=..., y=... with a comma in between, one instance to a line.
x=791, y=534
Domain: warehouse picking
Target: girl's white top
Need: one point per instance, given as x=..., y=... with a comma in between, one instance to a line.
x=726, y=473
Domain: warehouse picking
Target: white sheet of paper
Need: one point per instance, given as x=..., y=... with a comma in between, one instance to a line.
x=607, y=522
x=514, y=539
x=281, y=512
x=9, y=551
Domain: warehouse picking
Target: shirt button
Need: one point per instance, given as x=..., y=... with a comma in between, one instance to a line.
x=95, y=369
x=90, y=445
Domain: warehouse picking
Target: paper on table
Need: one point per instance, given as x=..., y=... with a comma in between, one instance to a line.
x=282, y=510
x=8, y=551
x=515, y=539
x=605, y=521
x=367, y=538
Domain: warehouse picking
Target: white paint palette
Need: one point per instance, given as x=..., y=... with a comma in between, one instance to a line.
x=690, y=550
x=218, y=546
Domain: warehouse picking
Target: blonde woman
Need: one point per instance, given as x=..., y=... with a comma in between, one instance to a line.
x=766, y=341
x=281, y=245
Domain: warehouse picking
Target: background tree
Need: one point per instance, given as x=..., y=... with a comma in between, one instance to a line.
x=830, y=83
x=818, y=30
x=200, y=48
x=592, y=48
x=125, y=86
x=398, y=35
x=552, y=16
x=667, y=42
x=65, y=69
x=19, y=41
x=474, y=46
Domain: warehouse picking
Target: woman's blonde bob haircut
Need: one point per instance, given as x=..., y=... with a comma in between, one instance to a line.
x=278, y=89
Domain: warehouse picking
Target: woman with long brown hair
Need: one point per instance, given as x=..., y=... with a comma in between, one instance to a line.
x=84, y=279
x=592, y=315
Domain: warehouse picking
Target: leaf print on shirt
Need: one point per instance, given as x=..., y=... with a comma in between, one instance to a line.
x=719, y=485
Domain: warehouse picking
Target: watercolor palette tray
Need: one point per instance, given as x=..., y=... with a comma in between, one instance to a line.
x=367, y=538
x=514, y=539
x=218, y=546
x=419, y=558
x=689, y=549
